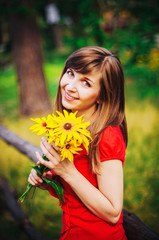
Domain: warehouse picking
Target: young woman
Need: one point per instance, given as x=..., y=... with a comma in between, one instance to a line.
x=92, y=83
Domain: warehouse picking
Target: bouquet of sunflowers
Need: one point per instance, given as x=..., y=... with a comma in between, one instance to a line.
x=68, y=132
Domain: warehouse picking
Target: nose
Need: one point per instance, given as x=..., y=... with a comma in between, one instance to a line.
x=71, y=86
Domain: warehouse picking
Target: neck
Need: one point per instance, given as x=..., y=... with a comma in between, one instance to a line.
x=88, y=116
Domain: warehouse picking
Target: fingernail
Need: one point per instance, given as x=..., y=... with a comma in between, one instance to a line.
x=43, y=139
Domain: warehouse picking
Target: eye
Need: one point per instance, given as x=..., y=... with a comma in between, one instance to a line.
x=86, y=83
x=70, y=72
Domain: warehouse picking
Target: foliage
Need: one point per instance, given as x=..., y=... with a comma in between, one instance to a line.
x=86, y=18
x=82, y=24
x=9, y=93
x=145, y=82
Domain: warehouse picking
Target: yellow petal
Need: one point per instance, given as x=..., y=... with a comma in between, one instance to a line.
x=65, y=113
x=63, y=137
x=34, y=126
x=57, y=142
x=43, y=130
x=85, y=132
x=60, y=114
x=38, y=120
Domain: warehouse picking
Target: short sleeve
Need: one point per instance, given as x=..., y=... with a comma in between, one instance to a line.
x=112, y=145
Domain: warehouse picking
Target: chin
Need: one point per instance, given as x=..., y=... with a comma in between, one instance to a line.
x=67, y=106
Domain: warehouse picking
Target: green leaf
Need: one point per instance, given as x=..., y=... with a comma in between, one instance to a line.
x=46, y=169
x=57, y=186
x=45, y=158
x=37, y=169
x=42, y=167
x=23, y=196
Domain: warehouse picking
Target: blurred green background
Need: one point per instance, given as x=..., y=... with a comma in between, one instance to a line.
x=128, y=28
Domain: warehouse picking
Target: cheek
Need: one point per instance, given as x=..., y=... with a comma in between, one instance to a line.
x=62, y=83
x=92, y=96
x=89, y=99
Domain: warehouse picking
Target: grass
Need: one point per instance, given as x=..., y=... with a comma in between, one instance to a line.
x=141, y=192
x=141, y=167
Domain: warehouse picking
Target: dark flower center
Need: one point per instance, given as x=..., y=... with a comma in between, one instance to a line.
x=44, y=124
x=67, y=126
x=67, y=146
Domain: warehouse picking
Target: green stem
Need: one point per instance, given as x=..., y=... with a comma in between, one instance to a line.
x=29, y=186
x=55, y=184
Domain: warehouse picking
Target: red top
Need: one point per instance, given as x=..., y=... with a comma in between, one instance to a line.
x=78, y=221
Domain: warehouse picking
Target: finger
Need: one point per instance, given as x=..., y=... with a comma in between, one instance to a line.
x=52, y=150
x=50, y=153
x=48, y=175
x=56, y=148
x=35, y=178
x=33, y=171
x=45, y=143
x=42, y=161
x=35, y=175
x=32, y=181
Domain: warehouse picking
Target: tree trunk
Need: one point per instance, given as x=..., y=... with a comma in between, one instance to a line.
x=57, y=36
x=28, y=61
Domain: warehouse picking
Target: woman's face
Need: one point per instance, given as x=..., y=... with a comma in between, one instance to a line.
x=80, y=92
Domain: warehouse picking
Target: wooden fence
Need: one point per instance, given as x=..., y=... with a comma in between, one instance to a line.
x=135, y=229
x=20, y=217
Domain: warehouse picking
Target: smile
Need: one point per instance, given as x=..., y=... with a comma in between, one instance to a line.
x=68, y=97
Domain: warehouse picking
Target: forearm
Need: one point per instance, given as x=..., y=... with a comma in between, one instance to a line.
x=93, y=199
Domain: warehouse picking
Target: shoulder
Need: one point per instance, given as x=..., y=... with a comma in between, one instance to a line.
x=112, y=145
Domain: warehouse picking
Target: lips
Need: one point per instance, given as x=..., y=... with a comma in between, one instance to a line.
x=69, y=97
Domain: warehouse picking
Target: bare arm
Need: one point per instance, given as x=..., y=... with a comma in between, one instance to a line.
x=105, y=202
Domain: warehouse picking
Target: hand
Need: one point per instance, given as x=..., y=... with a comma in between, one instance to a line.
x=36, y=181
x=62, y=168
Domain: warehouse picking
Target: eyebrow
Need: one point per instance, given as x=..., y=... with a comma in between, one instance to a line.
x=86, y=78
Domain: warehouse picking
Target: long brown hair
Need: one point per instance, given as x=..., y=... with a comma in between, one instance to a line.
x=110, y=109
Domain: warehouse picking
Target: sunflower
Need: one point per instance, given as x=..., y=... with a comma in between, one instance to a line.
x=68, y=127
x=52, y=137
x=68, y=150
x=85, y=142
x=41, y=125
